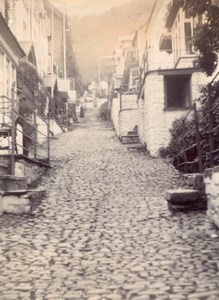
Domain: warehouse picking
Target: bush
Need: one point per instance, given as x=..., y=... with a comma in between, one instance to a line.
x=103, y=111
x=30, y=76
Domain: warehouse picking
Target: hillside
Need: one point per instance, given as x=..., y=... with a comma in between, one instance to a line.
x=97, y=35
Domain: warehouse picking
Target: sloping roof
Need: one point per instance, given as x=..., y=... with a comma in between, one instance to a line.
x=176, y=4
x=29, y=50
x=26, y=46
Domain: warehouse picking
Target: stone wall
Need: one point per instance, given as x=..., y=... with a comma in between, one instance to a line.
x=211, y=179
x=128, y=115
x=124, y=119
x=128, y=119
x=141, y=127
x=29, y=170
x=115, y=112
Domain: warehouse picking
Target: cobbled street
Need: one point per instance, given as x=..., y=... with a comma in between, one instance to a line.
x=104, y=231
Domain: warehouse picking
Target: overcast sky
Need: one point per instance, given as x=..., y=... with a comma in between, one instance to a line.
x=87, y=7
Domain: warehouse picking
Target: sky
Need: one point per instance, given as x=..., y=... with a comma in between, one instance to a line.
x=81, y=8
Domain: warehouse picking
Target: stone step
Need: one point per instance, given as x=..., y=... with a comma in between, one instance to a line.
x=129, y=139
x=4, y=168
x=194, y=181
x=20, y=201
x=10, y=182
x=186, y=200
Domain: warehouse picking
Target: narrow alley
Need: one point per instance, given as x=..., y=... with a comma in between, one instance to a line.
x=104, y=231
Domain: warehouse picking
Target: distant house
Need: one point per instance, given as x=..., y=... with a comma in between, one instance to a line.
x=124, y=89
x=170, y=78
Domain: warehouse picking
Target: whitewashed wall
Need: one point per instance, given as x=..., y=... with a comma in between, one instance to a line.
x=157, y=121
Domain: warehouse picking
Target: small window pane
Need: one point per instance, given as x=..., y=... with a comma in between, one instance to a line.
x=188, y=37
x=177, y=91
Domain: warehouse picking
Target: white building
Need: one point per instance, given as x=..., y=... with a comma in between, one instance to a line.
x=170, y=77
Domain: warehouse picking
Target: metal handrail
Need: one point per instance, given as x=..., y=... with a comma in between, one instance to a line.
x=182, y=154
x=213, y=129
x=37, y=148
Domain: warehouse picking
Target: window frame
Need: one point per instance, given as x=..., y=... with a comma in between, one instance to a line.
x=187, y=102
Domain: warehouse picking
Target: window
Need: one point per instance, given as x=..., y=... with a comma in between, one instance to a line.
x=188, y=37
x=177, y=91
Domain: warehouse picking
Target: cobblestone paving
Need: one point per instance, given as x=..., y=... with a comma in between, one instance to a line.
x=104, y=231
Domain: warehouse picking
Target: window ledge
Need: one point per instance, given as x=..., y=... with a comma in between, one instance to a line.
x=176, y=108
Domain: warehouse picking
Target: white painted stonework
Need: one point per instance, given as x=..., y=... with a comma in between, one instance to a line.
x=212, y=191
x=127, y=121
x=154, y=122
x=124, y=119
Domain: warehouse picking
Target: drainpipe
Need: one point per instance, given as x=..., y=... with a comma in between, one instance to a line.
x=120, y=98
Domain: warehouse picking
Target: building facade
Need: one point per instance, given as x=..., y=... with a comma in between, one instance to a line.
x=170, y=77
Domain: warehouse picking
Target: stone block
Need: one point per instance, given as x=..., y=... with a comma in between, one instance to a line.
x=15, y=200
x=36, y=194
x=17, y=209
x=9, y=182
x=212, y=190
x=189, y=207
x=184, y=196
x=208, y=173
x=215, y=178
x=195, y=180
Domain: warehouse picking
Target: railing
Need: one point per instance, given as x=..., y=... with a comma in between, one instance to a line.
x=198, y=135
x=213, y=125
x=26, y=134
x=189, y=154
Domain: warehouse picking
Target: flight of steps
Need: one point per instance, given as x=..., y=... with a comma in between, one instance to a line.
x=15, y=196
x=132, y=137
x=190, y=196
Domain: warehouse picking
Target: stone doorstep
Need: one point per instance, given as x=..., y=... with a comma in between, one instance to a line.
x=19, y=201
x=17, y=209
x=188, y=208
x=184, y=197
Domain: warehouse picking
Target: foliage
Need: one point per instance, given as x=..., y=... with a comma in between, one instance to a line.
x=29, y=74
x=30, y=77
x=103, y=111
x=206, y=36
x=187, y=127
x=72, y=66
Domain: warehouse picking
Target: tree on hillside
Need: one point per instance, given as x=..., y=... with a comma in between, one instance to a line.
x=72, y=66
x=206, y=36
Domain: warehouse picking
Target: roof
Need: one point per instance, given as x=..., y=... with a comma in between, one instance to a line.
x=29, y=50
x=10, y=38
x=26, y=46
x=176, y=4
